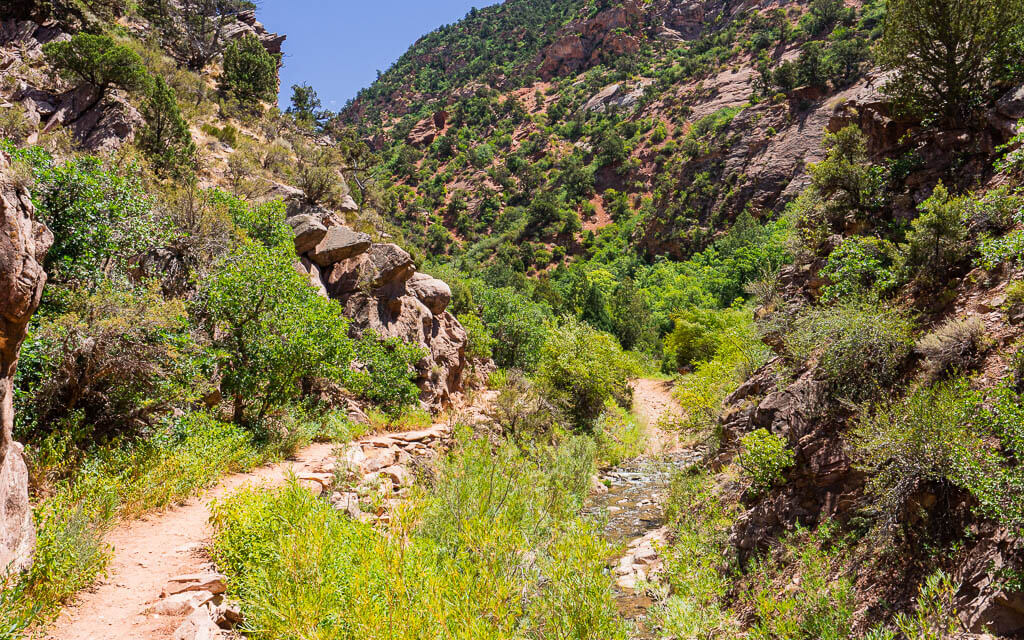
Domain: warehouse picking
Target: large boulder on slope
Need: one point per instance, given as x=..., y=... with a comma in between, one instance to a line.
x=309, y=232
x=23, y=244
x=434, y=293
x=382, y=266
x=339, y=243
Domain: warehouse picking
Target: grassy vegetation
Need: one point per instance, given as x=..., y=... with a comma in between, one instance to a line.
x=492, y=549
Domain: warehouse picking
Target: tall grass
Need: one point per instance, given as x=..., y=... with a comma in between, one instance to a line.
x=492, y=549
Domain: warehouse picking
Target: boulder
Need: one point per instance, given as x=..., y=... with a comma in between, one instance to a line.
x=23, y=244
x=308, y=230
x=1011, y=105
x=199, y=625
x=211, y=581
x=383, y=265
x=434, y=293
x=339, y=243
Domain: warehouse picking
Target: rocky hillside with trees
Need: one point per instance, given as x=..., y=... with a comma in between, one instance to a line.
x=802, y=220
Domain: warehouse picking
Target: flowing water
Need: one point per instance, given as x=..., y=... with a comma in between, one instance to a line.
x=634, y=507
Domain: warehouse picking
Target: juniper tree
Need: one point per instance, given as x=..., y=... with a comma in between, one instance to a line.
x=98, y=61
x=948, y=55
x=166, y=138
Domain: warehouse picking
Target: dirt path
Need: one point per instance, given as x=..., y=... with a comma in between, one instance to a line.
x=149, y=551
x=652, y=399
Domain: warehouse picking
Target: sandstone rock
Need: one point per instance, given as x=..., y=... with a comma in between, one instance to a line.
x=339, y=243
x=399, y=475
x=200, y=625
x=180, y=604
x=23, y=245
x=308, y=230
x=1011, y=105
x=212, y=582
x=382, y=264
x=432, y=292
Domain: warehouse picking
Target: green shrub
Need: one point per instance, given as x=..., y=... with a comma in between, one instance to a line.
x=250, y=72
x=763, y=457
x=480, y=343
x=937, y=243
x=582, y=369
x=860, y=266
x=269, y=329
x=619, y=436
x=518, y=325
x=387, y=372
x=863, y=347
x=695, y=336
x=100, y=218
x=935, y=617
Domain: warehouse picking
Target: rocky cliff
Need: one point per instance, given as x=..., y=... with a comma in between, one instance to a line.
x=382, y=292
x=23, y=244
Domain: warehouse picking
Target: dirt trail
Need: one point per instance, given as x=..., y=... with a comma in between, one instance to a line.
x=149, y=551
x=653, y=399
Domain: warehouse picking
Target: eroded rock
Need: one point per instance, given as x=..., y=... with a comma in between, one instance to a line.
x=23, y=244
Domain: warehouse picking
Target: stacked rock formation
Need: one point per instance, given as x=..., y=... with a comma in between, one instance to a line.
x=23, y=244
x=382, y=292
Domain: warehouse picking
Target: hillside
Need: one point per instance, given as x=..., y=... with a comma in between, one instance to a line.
x=590, y=319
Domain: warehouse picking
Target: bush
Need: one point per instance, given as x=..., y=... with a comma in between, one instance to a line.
x=269, y=329
x=108, y=366
x=863, y=346
x=101, y=219
x=860, y=266
x=480, y=343
x=386, y=372
x=955, y=347
x=582, y=369
x=695, y=336
x=619, y=436
x=521, y=409
x=519, y=326
x=250, y=72
x=763, y=457
x=937, y=243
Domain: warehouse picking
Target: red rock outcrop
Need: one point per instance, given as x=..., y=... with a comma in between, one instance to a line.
x=23, y=245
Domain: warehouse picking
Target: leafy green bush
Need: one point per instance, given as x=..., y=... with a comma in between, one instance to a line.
x=863, y=346
x=860, y=266
x=269, y=329
x=480, y=343
x=619, y=436
x=582, y=369
x=763, y=457
x=100, y=218
x=518, y=325
x=250, y=72
x=944, y=433
x=386, y=372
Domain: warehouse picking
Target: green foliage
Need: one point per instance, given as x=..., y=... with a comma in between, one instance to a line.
x=949, y=55
x=192, y=30
x=166, y=138
x=480, y=343
x=861, y=266
x=935, y=616
x=99, y=61
x=250, y=72
x=387, y=371
x=763, y=457
x=261, y=222
x=619, y=436
x=100, y=218
x=695, y=336
x=517, y=324
x=498, y=553
x=269, y=328
x=944, y=433
x=740, y=352
x=937, y=242
x=863, y=346
x=582, y=369
x=306, y=106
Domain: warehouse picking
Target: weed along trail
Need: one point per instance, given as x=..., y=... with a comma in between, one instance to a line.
x=632, y=500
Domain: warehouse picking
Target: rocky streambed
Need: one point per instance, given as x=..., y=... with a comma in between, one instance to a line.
x=630, y=502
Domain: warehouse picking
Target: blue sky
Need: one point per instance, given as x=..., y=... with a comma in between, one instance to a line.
x=338, y=45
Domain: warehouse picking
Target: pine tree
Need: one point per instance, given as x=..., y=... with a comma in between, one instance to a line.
x=166, y=138
x=250, y=72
